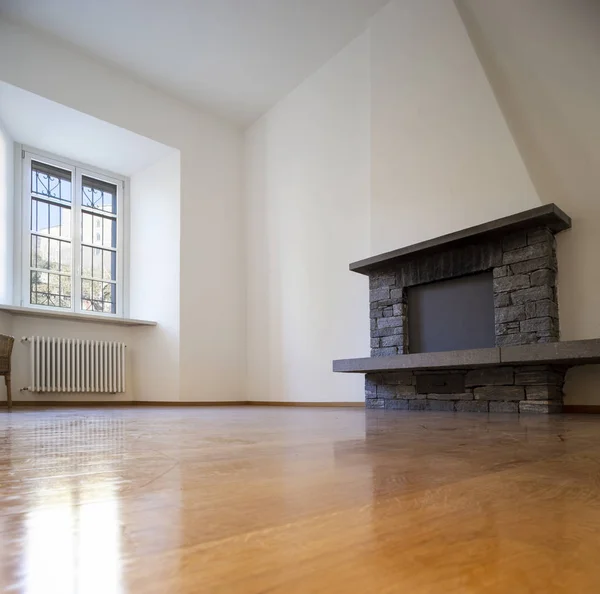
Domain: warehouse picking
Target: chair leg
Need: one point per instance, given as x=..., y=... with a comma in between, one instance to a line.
x=8, y=393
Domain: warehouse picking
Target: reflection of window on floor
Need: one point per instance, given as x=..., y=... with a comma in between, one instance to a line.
x=72, y=546
x=73, y=529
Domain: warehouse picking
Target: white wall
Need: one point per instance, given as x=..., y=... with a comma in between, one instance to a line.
x=307, y=209
x=396, y=140
x=542, y=59
x=7, y=176
x=155, y=277
x=211, y=275
x=442, y=156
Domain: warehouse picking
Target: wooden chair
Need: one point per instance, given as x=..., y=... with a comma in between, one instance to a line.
x=6, y=347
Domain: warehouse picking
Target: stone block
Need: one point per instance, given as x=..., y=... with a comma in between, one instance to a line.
x=407, y=392
x=463, y=396
x=399, y=309
x=514, y=241
x=381, y=332
x=392, y=322
x=504, y=407
x=373, y=324
x=537, y=250
x=501, y=271
x=381, y=303
x=490, y=376
x=537, y=375
x=532, y=294
x=508, y=328
x=540, y=407
x=388, y=312
x=396, y=405
x=534, y=264
x=543, y=277
x=502, y=300
x=387, y=352
x=379, y=294
x=375, y=403
x=375, y=343
x=539, y=236
x=379, y=281
x=471, y=406
x=516, y=339
x=386, y=392
x=398, y=295
x=540, y=326
x=418, y=405
x=514, y=313
x=546, y=307
x=441, y=405
x=498, y=393
x=441, y=383
x=399, y=378
x=530, y=310
x=511, y=283
x=544, y=393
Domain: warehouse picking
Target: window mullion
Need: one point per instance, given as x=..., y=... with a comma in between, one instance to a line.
x=26, y=232
x=76, y=239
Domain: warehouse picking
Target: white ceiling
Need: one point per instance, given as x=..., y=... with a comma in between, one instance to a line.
x=233, y=57
x=48, y=126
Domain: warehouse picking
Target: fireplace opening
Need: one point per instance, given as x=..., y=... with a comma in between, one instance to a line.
x=452, y=315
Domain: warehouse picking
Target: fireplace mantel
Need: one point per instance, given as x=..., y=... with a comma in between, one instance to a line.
x=549, y=216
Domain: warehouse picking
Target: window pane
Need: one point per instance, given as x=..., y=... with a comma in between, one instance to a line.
x=98, y=296
x=98, y=264
x=49, y=289
x=99, y=195
x=50, y=254
x=50, y=219
x=98, y=230
x=51, y=181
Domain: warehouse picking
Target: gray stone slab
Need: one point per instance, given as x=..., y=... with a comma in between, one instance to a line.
x=540, y=407
x=492, y=376
x=504, y=407
x=571, y=353
x=498, y=393
x=548, y=215
x=448, y=360
x=463, y=396
x=471, y=406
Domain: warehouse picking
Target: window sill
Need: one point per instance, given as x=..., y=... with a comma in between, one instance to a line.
x=74, y=317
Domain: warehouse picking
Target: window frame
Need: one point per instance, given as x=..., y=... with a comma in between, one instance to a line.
x=23, y=232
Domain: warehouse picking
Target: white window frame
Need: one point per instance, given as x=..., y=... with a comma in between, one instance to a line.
x=23, y=231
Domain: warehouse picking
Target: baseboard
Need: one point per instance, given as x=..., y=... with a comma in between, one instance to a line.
x=585, y=409
x=129, y=403
x=308, y=404
x=112, y=403
x=179, y=403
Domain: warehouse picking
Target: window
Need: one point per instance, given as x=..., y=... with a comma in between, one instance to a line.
x=72, y=237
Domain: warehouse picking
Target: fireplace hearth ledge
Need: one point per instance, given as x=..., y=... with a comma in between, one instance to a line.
x=567, y=354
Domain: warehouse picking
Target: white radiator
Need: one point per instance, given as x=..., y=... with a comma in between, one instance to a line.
x=69, y=365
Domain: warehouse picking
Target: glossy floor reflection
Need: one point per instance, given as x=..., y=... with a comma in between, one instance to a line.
x=255, y=500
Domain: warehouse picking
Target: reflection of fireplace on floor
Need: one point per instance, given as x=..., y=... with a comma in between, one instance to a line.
x=469, y=321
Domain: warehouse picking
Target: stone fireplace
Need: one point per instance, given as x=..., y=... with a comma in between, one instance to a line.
x=470, y=321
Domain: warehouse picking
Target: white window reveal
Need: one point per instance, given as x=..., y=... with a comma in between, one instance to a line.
x=72, y=237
